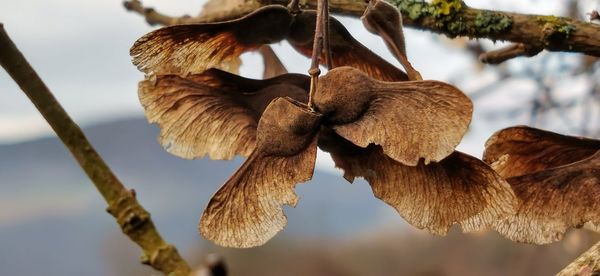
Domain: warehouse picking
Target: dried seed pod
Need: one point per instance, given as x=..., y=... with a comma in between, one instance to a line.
x=385, y=20
x=214, y=113
x=345, y=50
x=555, y=177
x=554, y=200
x=410, y=120
x=459, y=189
x=193, y=48
x=529, y=150
x=248, y=210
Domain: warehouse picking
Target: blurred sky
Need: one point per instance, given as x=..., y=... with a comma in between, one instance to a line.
x=81, y=51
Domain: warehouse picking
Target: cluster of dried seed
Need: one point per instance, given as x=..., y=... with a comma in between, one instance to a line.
x=394, y=129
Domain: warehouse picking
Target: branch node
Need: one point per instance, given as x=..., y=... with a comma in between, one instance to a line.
x=314, y=71
x=129, y=215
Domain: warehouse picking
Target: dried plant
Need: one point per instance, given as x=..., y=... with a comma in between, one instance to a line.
x=215, y=112
x=411, y=120
x=389, y=126
x=555, y=177
x=248, y=210
x=400, y=135
x=193, y=48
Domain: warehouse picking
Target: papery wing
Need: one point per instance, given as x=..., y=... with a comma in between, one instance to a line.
x=214, y=113
x=523, y=150
x=193, y=48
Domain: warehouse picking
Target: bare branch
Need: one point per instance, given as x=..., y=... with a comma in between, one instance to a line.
x=133, y=219
x=152, y=16
x=586, y=264
x=508, y=52
x=317, y=50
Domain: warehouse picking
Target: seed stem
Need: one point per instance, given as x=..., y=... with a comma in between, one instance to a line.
x=318, y=43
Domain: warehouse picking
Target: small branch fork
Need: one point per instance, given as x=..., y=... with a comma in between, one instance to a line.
x=133, y=219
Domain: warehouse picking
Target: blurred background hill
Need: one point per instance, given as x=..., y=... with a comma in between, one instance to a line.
x=52, y=222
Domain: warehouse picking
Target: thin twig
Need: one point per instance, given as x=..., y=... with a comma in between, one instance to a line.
x=133, y=219
x=586, y=264
x=153, y=17
x=326, y=47
x=509, y=52
x=317, y=50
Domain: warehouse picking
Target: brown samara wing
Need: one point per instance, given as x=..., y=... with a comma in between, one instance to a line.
x=193, y=48
x=554, y=200
x=523, y=150
x=214, y=113
x=345, y=50
x=248, y=210
x=459, y=189
x=411, y=120
x=383, y=19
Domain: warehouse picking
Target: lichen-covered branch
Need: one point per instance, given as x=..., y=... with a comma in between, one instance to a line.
x=453, y=18
x=122, y=204
x=586, y=264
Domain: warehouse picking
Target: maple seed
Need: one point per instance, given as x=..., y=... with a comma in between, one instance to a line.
x=248, y=210
x=530, y=150
x=193, y=48
x=385, y=20
x=410, y=120
x=382, y=18
x=214, y=113
x=479, y=198
x=287, y=128
x=555, y=177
